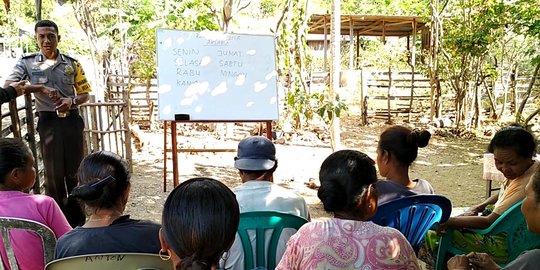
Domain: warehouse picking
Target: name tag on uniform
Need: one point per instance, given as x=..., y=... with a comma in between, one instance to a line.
x=38, y=73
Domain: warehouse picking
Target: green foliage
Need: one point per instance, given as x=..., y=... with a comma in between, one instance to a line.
x=484, y=40
x=329, y=108
x=144, y=17
x=301, y=105
x=268, y=8
x=293, y=63
x=22, y=17
x=386, y=7
x=291, y=52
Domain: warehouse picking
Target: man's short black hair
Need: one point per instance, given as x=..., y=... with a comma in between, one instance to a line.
x=46, y=23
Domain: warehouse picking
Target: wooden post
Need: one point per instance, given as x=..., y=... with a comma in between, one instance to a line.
x=351, y=44
x=325, y=49
x=15, y=120
x=93, y=125
x=164, y=156
x=31, y=139
x=100, y=126
x=336, y=68
x=389, y=118
x=174, y=148
x=413, y=68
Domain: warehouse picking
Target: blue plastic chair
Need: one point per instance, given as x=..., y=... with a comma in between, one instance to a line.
x=511, y=223
x=414, y=215
x=261, y=221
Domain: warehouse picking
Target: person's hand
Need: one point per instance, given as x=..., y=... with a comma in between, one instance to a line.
x=482, y=261
x=473, y=211
x=53, y=94
x=458, y=262
x=19, y=86
x=441, y=229
x=63, y=104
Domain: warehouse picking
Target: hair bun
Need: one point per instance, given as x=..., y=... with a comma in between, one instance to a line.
x=412, y=139
x=423, y=138
x=86, y=192
x=92, y=191
x=193, y=264
x=333, y=196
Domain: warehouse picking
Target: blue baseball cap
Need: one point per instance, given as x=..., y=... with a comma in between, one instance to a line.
x=255, y=153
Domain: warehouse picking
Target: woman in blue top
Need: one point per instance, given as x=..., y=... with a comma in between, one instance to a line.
x=104, y=184
x=397, y=149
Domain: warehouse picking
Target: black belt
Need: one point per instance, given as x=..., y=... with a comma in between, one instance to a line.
x=59, y=115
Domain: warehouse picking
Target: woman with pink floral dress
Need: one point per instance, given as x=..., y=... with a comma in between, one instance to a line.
x=348, y=240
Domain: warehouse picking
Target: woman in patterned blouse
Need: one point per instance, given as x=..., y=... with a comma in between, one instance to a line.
x=348, y=240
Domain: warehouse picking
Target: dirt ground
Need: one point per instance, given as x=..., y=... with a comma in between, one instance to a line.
x=452, y=165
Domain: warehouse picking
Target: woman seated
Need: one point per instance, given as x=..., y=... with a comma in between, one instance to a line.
x=513, y=149
x=348, y=240
x=200, y=219
x=104, y=183
x=397, y=149
x=17, y=174
x=526, y=261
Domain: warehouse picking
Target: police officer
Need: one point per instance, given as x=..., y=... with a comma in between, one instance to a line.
x=59, y=86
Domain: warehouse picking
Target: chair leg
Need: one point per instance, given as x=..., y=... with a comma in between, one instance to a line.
x=444, y=244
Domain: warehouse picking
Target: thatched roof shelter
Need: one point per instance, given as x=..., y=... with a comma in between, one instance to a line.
x=369, y=25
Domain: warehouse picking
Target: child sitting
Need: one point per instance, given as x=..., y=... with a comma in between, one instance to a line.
x=17, y=174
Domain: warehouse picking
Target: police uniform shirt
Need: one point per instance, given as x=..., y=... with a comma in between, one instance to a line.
x=65, y=74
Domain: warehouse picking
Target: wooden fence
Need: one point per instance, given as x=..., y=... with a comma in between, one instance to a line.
x=142, y=96
x=106, y=128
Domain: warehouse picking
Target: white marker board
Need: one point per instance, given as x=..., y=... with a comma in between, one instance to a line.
x=212, y=76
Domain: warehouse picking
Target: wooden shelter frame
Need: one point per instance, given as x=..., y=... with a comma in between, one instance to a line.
x=370, y=25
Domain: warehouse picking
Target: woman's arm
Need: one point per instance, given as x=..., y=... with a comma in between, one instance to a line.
x=475, y=210
x=468, y=222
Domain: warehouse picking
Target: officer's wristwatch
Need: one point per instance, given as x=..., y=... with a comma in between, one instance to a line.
x=73, y=101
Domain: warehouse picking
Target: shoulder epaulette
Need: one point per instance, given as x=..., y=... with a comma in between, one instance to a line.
x=70, y=57
x=27, y=55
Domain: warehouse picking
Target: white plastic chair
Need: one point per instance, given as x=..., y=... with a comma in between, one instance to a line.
x=47, y=236
x=111, y=261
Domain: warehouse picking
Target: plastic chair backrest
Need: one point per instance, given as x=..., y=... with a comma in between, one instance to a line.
x=261, y=221
x=111, y=261
x=512, y=223
x=414, y=215
x=47, y=236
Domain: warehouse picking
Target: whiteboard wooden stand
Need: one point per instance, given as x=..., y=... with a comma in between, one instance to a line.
x=174, y=149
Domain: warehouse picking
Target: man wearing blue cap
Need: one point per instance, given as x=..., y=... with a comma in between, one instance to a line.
x=256, y=162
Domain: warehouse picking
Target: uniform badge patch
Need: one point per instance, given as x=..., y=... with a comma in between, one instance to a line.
x=69, y=70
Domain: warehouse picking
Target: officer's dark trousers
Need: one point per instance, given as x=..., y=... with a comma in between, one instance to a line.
x=62, y=152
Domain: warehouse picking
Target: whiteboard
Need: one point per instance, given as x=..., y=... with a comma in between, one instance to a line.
x=216, y=76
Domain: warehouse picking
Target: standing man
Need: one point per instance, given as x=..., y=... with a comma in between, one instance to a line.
x=59, y=86
x=256, y=163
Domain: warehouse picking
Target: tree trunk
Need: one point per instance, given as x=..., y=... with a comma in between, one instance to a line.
x=336, y=68
x=477, y=109
x=519, y=112
x=477, y=95
x=490, y=89
x=530, y=117
x=389, y=115
x=84, y=17
x=412, y=93
x=513, y=87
